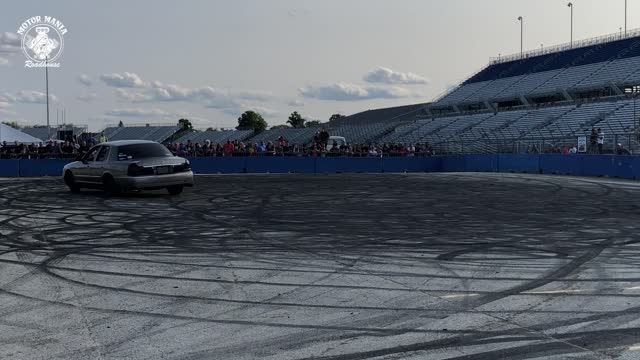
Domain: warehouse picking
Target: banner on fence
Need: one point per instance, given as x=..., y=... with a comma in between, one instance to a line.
x=582, y=144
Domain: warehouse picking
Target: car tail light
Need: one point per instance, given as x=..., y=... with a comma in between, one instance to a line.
x=137, y=170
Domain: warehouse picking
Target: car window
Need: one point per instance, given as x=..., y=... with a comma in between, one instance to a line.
x=103, y=154
x=91, y=154
x=142, y=151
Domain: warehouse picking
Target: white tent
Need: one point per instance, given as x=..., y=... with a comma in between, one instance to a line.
x=11, y=135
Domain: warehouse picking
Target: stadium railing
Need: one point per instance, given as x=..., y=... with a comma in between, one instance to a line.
x=630, y=141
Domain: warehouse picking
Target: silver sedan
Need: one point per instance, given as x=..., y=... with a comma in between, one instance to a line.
x=129, y=165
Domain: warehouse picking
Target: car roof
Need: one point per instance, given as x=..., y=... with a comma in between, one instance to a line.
x=127, y=142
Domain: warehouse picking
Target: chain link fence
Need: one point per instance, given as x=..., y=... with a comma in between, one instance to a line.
x=628, y=141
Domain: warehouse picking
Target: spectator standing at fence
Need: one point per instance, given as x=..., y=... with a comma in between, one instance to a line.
x=228, y=148
x=84, y=147
x=262, y=148
x=593, y=141
x=324, y=137
x=620, y=150
x=103, y=138
x=600, y=141
x=411, y=150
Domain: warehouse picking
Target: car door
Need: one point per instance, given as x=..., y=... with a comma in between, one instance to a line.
x=83, y=172
x=97, y=167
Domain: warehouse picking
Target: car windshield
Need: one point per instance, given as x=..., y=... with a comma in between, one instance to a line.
x=141, y=151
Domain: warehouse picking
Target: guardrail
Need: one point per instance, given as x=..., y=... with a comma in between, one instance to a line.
x=627, y=167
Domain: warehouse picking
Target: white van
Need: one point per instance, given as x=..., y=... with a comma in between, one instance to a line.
x=338, y=140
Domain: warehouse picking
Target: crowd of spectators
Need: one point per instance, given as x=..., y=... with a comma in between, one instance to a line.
x=283, y=148
x=321, y=145
x=69, y=148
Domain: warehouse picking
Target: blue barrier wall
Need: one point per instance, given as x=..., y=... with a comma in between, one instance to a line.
x=48, y=167
x=9, y=168
x=627, y=167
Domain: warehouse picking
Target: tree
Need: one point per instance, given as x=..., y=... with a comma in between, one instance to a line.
x=210, y=129
x=313, y=123
x=280, y=127
x=120, y=124
x=185, y=124
x=12, y=124
x=335, y=117
x=295, y=120
x=251, y=120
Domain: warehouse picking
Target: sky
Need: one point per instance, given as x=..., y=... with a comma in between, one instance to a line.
x=155, y=61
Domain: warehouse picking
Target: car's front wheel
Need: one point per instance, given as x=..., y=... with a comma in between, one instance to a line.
x=175, y=190
x=70, y=181
x=111, y=188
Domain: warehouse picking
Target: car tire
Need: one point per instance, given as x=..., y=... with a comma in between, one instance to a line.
x=70, y=181
x=111, y=188
x=175, y=190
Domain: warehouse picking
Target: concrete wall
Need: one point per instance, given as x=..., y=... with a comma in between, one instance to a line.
x=627, y=167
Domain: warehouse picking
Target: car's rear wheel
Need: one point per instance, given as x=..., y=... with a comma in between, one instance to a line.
x=70, y=181
x=175, y=190
x=110, y=186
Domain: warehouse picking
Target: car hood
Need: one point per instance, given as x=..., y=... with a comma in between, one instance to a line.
x=73, y=164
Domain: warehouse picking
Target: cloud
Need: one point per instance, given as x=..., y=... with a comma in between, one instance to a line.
x=384, y=75
x=124, y=80
x=352, y=92
x=4, y=108
x=236, y=107
x=134, y=97
x=27, y=97
x=144, y=113
x=228, y=101
x=171, y=92
x=205, y=94
x=296, y=103
x=10, y=44
x=85, y=80
x=89, y=97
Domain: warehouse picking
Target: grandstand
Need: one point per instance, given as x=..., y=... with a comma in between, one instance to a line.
x=216, y=137
x=57, y=133
x=594, y=68
x=554, y=94
x=158, y=133
x=551, y=95
x=361, y=128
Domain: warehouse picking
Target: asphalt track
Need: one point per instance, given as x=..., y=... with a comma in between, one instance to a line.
x=426, y=266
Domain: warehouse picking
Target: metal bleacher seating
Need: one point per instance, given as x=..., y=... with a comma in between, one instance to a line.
x=616, y=71
x=576, y=120
x=152, y=133
x=596, y=63
x=42, y=132
x=461, y=93
x=568, y=78
x=216, y=137
x=294, y=136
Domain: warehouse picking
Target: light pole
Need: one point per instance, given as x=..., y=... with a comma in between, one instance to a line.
x=570, y=5
x=521, y=36
x=625, y=18
x=46, y=69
